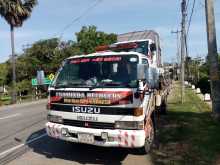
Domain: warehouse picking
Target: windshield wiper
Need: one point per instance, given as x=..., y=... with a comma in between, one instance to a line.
x=60, y=86
x=69, y=84
x=115, y=84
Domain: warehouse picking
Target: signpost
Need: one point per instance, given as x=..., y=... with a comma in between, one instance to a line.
x=40, y=77
x=41, y=80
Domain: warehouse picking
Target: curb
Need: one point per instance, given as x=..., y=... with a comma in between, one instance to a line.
x=198, y=93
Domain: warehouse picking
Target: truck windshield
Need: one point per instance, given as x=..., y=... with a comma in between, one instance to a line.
x=101, y=71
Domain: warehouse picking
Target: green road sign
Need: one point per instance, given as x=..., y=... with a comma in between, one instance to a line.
x=46, y=81
x=34, y=81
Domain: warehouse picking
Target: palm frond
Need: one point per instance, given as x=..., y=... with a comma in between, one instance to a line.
x=16, y=12
x=29, y=4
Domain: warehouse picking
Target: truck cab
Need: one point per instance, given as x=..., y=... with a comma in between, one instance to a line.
x=102, y=99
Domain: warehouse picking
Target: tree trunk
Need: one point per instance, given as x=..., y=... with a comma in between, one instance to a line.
x=14, y=93
x=213, y=58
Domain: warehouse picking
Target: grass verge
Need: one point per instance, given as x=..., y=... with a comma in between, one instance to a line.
x=187, y=134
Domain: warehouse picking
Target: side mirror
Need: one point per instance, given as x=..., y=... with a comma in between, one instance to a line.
x=141, y=69
x=153, y=47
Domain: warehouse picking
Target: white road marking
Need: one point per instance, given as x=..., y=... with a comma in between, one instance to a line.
x=10, y=116
x=21, y=145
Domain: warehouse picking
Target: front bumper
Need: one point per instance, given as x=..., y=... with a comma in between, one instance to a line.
x=116, y=138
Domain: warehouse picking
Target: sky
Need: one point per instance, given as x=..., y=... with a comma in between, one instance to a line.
x=50, y=17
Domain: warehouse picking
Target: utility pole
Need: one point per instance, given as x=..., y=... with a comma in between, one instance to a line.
x=213, y=58
x=14, y=92
x=178, y=47
x=183, y=48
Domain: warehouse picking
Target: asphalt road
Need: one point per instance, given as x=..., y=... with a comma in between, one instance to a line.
x=23, y=141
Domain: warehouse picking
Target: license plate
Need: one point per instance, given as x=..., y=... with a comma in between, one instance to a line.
x=86, y=138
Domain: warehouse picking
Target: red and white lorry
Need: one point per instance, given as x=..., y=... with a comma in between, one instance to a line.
x=109, y=98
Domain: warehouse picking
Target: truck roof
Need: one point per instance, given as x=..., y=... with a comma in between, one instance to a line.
x=108, y=53
x=138, y=35
x=130, y=41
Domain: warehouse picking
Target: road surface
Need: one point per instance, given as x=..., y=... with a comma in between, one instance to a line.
x=23, y=141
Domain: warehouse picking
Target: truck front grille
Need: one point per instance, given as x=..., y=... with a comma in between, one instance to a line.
x=88, y=124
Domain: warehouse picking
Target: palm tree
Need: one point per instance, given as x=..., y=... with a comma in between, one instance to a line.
x=15, y=12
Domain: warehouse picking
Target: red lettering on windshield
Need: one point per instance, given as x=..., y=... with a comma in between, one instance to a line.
x=98, y=59
x=77, y=61
x=85, y=60
x=112, y=59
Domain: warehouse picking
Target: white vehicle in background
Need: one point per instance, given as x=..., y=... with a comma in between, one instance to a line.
x=109, y=98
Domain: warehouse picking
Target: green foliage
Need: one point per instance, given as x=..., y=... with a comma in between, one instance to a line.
x=23, y=85
x=40, y=55
x=68, y=49
x=204, y=85
x=203, y=82
x=89, y=38
x=204, y=70
x=3, y=73
x=199, y=74
x=203, y=79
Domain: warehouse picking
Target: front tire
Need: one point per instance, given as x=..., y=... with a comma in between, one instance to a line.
x=149, y=140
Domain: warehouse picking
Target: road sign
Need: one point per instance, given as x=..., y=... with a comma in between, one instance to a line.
x=34, y=81
x=51, y=76
x=46, y=81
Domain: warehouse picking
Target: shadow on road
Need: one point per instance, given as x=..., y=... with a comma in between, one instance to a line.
x=81, y=153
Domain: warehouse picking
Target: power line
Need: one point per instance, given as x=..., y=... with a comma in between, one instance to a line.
x=79, y=17
x=61, y=32
x=190, y=18
x=187, y=4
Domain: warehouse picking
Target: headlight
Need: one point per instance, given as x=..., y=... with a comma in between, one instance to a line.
x=129, y=124
x=55, y=119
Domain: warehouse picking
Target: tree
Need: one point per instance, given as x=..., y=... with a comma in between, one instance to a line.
x=15, y=12
x=70, y=49
x=41, y=55
x=3, y=74
x=88, y=38
x=46, y=55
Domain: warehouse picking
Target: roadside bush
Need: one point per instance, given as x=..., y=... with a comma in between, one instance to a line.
x=204, y=85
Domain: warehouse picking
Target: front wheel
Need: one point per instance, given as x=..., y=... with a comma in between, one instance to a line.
x=149, y=139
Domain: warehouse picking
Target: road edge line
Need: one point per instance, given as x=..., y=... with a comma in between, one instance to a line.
x=21, y=145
